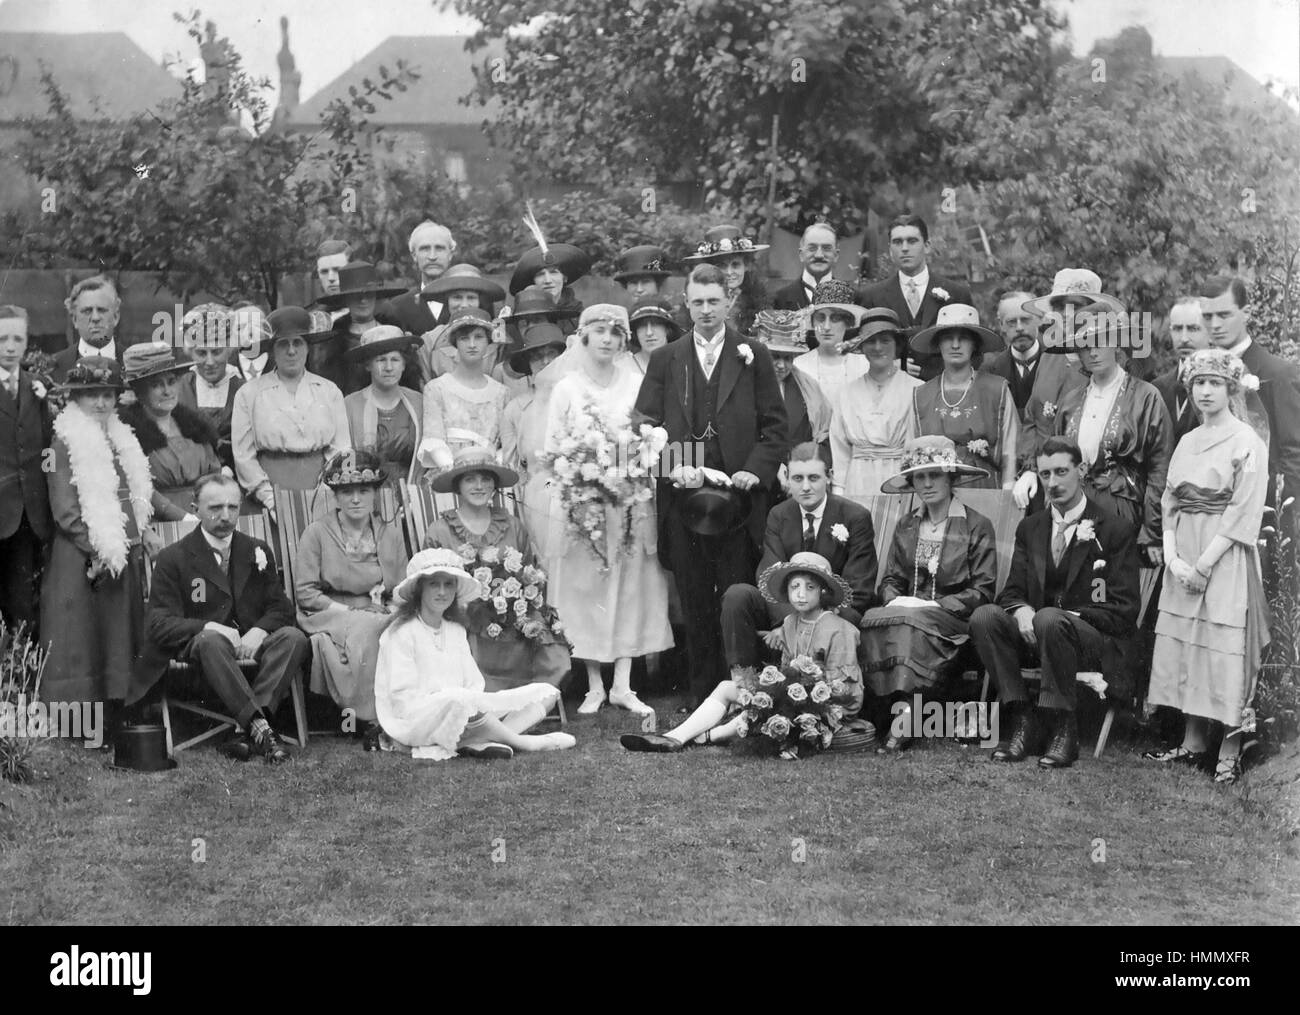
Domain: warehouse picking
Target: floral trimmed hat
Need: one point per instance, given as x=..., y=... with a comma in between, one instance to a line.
x=1216, y=363
x=354, y=468
x=722, y=242
x=839, y=296
x=781, y=331
x=93, y=373
x=772, y=581
x=929, y=454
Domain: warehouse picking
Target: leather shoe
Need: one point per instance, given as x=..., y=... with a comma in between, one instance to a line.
x=237, y=748
x=650, y=743
x=269, y=745
x=1016, y=747
x=1064, y=748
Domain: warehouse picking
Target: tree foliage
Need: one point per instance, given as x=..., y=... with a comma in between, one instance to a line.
x=200, y=190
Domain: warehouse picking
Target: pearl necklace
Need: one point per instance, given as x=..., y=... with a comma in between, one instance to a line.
x=964, y=392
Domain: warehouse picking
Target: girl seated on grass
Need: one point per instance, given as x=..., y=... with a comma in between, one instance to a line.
x=812, y=631
x=429, y=694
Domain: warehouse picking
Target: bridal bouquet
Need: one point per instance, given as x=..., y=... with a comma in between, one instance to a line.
x=513, y=596
x=792, y=705
x=597, y=466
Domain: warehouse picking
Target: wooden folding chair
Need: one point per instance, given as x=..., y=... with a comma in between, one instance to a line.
x=181, y=672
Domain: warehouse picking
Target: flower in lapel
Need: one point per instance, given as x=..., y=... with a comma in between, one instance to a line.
x=38, y=389
x=1085, y=530
x=839, y=533
x=1098, y=564
x=259, y=558
x=1049, y=410
x=1249, y=382
x=940, y=293
x=745, y=353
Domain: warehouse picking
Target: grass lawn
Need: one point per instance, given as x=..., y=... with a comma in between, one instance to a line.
x=597, y=835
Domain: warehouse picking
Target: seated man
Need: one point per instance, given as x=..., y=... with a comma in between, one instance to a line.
x=1073, y=586
x=216, y=600
x=812, y=520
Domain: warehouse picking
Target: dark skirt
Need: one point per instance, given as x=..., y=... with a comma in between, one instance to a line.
x=93, y=635
x=908, y=650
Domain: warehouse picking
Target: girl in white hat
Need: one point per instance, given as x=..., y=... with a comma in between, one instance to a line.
x=429, y=693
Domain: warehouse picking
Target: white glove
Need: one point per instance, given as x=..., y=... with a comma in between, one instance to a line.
x=783, y=477
x=714, y=476
x=1026, y=486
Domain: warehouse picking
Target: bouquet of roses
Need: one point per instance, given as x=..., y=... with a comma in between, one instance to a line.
x=513, y=596
x=792, y=706
x=598, y=465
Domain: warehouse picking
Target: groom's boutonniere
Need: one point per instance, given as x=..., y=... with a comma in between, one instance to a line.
x=1085, y=530
x=938, y=292
x=259, y=558
x=1049, y=410
x=745, y=353
x=839, y=533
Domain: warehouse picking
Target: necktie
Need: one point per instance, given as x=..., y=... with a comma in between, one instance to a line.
x=223, y=559
x=709, y=357
x=913, y=297
x=11, y=385
x=809, y=531
x=1058, y=542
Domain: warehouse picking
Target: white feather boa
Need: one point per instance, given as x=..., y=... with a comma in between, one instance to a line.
x=91, y=451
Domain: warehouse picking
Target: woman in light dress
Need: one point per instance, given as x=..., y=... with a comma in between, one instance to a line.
x=618, y=610
x=463, y=408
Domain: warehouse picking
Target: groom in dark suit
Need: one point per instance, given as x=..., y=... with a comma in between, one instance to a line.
x=718, y=398
x=1072, y=592
x=816, y=520
x=217, y=601
x=913, y=293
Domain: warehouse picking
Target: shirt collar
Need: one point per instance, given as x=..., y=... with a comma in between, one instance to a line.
x=219, y=545
x=5, y=375
x=706, y=344
x=956, y=509
x=811, y=283
x=1033, y=352
x=1071, y=516
x=85, y=349
x=1240, y=347
x=817, y=512
x=922, y=280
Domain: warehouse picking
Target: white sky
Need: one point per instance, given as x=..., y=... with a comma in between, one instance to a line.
x=327, y=36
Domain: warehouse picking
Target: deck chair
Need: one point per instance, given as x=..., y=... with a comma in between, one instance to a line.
x=1033, y=676
x=182, y=676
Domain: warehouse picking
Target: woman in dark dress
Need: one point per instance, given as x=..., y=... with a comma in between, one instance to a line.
x=384, y=417
x=92, y=597
x=942, y=564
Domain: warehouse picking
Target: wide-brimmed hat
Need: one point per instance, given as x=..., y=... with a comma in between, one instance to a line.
x=772, y=581
x=465, y=319
x=655, y=308
x=354, y=468
x=641, y=262
x=540, y=335
x=440, y=560
x=1078, y=286
x=571, y=262
x=929, y=454
x=472, y=459
x=142, y=748
x=715, y=510
x=610, y=313
x=837, y=295
x=875, y=321
x=957, y=317
x=461, y=278
x=295, y=322
x=722, y=242
x=381, y=339
x=92, y=373
x=149, y=359
x=358, y=278
x=534, y=301
x=782, y=331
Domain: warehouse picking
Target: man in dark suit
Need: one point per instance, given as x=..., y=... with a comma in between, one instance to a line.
x=1037, y=383
x=209, y=388
x=1223, y=309
x=1072, y=591
x=216, y=600
x=432, y=248
x=1187, y=334
x=913, y=292
x=813, y=519
x=819, y=250
x=25, y=524
x=95, y=309
x=718, y=399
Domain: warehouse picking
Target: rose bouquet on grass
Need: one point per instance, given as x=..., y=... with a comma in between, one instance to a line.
x=599, y=466
x=513, y=596
x=791, y=707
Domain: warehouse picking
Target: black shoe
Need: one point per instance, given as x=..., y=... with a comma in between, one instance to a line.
x=487, y=752
x=370, y=737
x=269, y=745
x=1064, y=748
x=651, y=743
x=238, y=747
x=1016, y=747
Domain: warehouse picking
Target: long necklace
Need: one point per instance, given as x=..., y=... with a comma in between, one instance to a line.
x=964, y=392
x=804, y=643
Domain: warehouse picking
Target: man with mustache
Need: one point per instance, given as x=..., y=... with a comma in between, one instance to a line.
x=216, y=600
x=819, y=250
x=1187, y=334
x=432, y=248
x=1072, y=592
x=95, y=308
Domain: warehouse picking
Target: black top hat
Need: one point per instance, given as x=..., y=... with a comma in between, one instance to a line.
x=541, y=335
x=715, y=510
x=641, y=262
x=142, y=749
x=358, y=278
